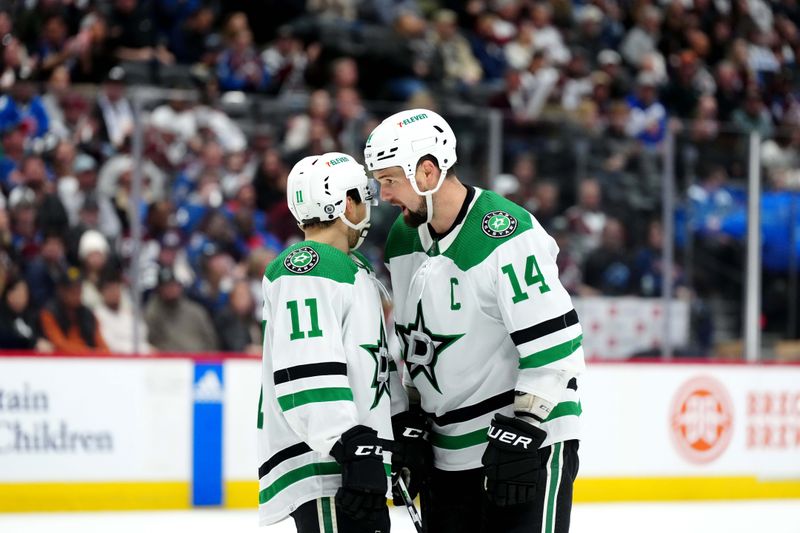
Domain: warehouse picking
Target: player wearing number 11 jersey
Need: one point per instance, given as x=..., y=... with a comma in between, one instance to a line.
x=324, y=412
x=492, y=343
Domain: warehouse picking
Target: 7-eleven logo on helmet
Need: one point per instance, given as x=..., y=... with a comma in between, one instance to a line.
x=409, y=120
x=334, y=162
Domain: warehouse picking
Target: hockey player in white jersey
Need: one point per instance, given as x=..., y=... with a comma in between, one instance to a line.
x=492, y=344
x=324, y=412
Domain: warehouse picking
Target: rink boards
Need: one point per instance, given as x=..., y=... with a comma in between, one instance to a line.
x=171, y=433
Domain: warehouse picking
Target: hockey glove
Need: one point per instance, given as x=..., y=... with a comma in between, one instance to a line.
x=412, y=455
x=363, y=490
x=511, y=461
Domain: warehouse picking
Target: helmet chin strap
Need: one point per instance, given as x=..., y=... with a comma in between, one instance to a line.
x=428, y=195
x=362, y=227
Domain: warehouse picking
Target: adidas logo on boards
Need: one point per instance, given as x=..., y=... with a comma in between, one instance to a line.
x=208, y=388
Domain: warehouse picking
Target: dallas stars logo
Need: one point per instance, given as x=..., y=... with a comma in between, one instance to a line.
x=301, y=260
x=380, y=354
x=499, y=224
x=422, y=348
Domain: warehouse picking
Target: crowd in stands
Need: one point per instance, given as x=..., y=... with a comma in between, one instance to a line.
x=603, y=79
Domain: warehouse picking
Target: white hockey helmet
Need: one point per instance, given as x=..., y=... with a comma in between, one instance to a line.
x=405, y=137
x=317, y=188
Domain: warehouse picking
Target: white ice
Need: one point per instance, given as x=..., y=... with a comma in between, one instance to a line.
x=773, y=516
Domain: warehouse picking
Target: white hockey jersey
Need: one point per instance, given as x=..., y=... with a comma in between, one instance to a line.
x=326, y=368
x=480, y=313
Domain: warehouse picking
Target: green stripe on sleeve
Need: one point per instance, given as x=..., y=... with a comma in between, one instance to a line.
x=565, y=409
x=458, y=442
x=551, y=355
x=328, y=394
x=298, y=474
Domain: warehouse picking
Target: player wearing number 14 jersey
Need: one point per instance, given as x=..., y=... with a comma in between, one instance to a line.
x=492, y=343
x=324, y=413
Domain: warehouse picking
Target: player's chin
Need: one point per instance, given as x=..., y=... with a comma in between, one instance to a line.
x=413, y=219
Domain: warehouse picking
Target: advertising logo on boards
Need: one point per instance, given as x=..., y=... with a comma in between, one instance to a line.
x=701, y=419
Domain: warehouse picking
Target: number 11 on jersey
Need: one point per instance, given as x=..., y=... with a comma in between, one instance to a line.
x=292, y=306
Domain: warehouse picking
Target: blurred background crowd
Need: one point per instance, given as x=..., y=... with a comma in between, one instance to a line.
x=228, y=95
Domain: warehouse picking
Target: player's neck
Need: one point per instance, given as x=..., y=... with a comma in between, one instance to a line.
x=330, y=236
x=447, y=203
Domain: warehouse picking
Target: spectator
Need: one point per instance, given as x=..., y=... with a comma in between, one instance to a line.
x=487, y=49
x=546, y=203
x=212, y=287
x=577, y=85
x=648, y=265
x=95, y=57
x=114, y=111
x=519, y=51
x=586, y=219
x=22, y=101
x=753, y=116
x=286, y=62
x=607, y=269
x=93, y=252
x=643, y=37
x=350, y=121
x=610, y=63
x=19, y=327
x=78, y=188
x=256, y=264
x=569, y=271
x=527, y=93
x=648, y=117
x=547, y=38
x=53, y=47
x=13, y=132
x=237, y=328
x=176, y=323
x=298, y=127
x=134, y=34
x=115, y=316
x=187, y=38
x=44, y=270
x=239, y=67
x=69, y=325
x=460, y=66
x=730, y=88
x=687, y=84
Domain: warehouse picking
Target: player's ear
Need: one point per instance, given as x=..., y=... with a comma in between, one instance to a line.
x=350, y=207
x=430, y=172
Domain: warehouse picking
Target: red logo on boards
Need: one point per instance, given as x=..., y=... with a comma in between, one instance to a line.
x=702, y=417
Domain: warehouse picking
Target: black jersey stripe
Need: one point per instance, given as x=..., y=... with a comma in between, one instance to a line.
x=545, y=328
x=308, y=371
x=462, y=414
x=284, y=455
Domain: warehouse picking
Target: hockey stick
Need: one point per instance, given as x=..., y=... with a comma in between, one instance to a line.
x=410, y=507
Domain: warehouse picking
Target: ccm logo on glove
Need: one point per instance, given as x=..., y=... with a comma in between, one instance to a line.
x=413, y=433
x=369, y=450
x=510, y=438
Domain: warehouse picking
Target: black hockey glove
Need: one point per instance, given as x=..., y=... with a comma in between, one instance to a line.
x=412, y=455
x=363, y=490
x=511, y=461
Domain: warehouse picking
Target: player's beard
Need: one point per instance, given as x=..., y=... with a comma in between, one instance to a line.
x=352, y=237
x=416, y=217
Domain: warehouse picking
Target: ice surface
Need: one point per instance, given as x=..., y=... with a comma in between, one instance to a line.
x=772, y=516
